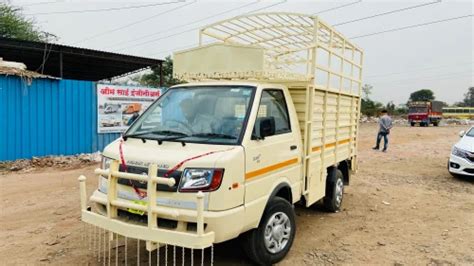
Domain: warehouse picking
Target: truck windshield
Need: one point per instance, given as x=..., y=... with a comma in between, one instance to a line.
x=201, y=114
x=417, y=109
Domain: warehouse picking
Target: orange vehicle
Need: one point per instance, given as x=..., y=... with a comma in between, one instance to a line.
x=132, y=108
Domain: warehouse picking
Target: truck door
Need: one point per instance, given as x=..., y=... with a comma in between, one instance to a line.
x=275, y=158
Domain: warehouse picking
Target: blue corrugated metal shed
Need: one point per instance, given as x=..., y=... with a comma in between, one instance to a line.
x=48, y=117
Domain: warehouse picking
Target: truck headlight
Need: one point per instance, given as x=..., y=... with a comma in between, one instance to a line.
x=201, y=179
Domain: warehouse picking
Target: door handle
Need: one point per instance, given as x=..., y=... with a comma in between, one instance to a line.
x=293, y=147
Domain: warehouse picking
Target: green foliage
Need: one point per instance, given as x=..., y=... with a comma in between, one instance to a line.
x=367, y=90
x=153, y=79
x=468, y=98
x=422, y=95
x=370, y=108
x=14, y=25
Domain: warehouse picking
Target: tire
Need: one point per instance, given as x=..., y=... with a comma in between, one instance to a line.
x=254, y=243
x=412, y=124
x=334, y=192
x=435, y=124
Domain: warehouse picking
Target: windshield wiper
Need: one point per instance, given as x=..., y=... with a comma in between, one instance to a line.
x=172, y=135
x=158, y=132
x=213, y=135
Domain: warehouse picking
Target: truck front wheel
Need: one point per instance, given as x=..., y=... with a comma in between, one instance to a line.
x=271, y=241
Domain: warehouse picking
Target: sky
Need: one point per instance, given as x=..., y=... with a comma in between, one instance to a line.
x=438, y=56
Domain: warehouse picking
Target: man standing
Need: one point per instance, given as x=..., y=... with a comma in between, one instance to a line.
x=385, y=123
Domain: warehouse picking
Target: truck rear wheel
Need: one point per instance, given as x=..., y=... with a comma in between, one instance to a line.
x=412, y=124
x=271, y=241
x=334, y=192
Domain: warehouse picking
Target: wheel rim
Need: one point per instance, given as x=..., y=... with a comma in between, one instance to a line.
x=339, y=191
x=277, y=232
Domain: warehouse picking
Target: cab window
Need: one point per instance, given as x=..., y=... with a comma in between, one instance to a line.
x=273, y=104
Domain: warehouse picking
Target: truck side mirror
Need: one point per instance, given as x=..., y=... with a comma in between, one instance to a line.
x=461, y=133
x=264, y=127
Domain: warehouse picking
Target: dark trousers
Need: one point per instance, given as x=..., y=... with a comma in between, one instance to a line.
x=385, y=140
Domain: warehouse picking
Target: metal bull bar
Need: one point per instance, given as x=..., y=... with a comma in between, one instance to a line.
x=153, y=235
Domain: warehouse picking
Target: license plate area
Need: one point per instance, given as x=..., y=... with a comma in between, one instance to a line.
x=138, y=212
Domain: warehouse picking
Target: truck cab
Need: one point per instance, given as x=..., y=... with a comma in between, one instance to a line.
x=424, y=113
x=253, y=132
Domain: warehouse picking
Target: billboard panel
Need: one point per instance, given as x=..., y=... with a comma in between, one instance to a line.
x=119, y=105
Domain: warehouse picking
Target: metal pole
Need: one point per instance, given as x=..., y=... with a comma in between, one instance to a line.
x=161, y=75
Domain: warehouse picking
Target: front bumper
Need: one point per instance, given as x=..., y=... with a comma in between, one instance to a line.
x=222, y=224
x=153, y=235
x=460, y=166
x=205, y=224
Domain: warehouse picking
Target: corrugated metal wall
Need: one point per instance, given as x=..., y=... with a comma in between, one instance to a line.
x=48, y=117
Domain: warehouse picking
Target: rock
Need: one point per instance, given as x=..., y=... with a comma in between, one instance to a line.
x=52, y=242
x=380, y=243
x=58, y=212
x=24, y=165
x=386, y=202
x=64, y=235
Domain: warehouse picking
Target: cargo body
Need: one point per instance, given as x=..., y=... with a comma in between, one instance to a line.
x=425, y=113
x=228, y=153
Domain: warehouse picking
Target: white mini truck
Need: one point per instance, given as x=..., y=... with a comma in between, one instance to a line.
x=269, y=118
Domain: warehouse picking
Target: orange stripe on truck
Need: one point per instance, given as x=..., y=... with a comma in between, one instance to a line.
x=270, y=168
x=329, y=145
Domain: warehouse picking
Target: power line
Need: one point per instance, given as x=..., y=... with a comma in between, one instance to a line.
x=337, y=7
x=404, y=84
x=427, y=78
x=103, y=9
x=360, y=36
x=417, y=70
x=134, y=23
x=184, y=25
x=376, y=15
x=266, y=7
x=192, y=29
x=411, y=26
x=43, y=3
x=317, y=13
x=387, y=13
x=180, y=48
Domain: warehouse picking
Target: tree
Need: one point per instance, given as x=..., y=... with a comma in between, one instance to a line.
x=469, y=98
x=14, y=25
x=367, y=90
x=153, y=79
x=390, y=107
x=369, y=107
x=422, y=95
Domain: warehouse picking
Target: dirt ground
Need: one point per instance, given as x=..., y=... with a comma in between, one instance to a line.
x=402, y=207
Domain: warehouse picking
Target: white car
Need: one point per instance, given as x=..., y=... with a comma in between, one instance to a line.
x=461, y=161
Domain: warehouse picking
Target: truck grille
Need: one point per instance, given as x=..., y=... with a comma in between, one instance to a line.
x=143, y=185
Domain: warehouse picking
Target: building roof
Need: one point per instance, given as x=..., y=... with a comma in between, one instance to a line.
x=72, y=62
